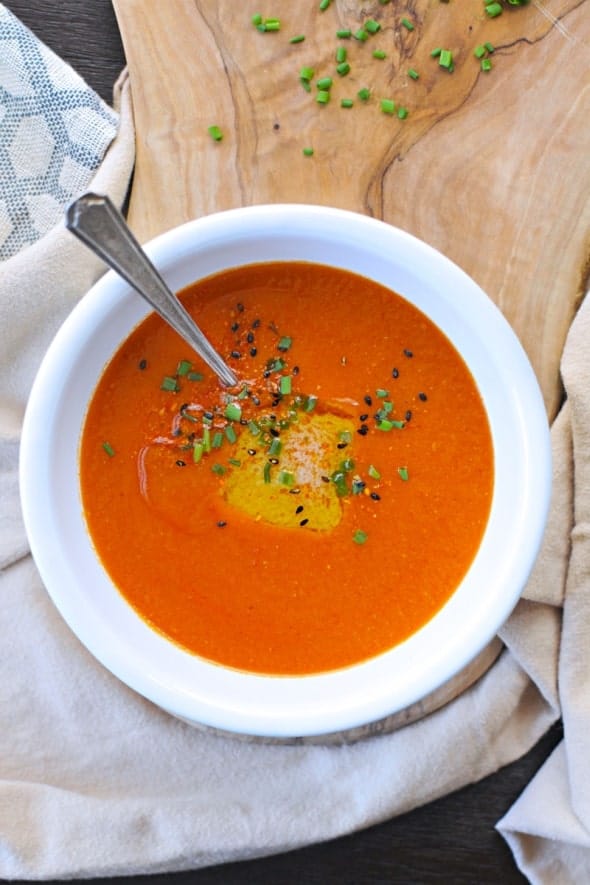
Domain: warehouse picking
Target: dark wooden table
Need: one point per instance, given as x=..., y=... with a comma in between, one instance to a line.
x=451, y=841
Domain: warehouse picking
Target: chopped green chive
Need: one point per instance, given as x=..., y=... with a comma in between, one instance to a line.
x=310, y=403
x=323, y=96
x=206, y=439
x=195, y=376
x=364, y=94
x=343, y=68
x=361, y=35
x=286, y=478
x=324, y=5
x=108, y=449
x=219, y=469
x=346, y=103
x=307, y=152
x=445, y=59
x=479, y=51
x=403, y=473
x=217, y=440
x=372, y=26
x=436, y=52
x=234, y=462
x=306, y=73
x=490, y=47
x=183, y=367
x=266, y=472
x=298, y=38
x=344, y=34
x=381, y=392
x=413, y=74
x=341, y=53
x=379, y=54
x=324, y=83
x=486, y=64
x=230, y=434
x=407, y=24
x=198, y=450
x=373, y=472
x=275, y=447
x=233, y=411
x=272, y=24
x=169, y=383
x=253, y=428
x=285, y=384
x=256, y=19
x=285, y=343
x=215, y=133
x=387, y=106
x=359, y=537
x=493, y=9
x=402, y=113
x=345, y=436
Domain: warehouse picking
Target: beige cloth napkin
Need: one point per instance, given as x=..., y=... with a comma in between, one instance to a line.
x=95, y=781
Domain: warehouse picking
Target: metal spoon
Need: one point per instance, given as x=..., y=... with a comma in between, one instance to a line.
x=98, y=223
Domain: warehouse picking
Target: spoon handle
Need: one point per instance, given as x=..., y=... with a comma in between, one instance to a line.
x=99, y=225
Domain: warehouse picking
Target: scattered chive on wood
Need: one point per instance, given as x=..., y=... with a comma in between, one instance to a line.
x=372, y=26
x=344, y=34
x=364, y=94
x=324, y=83
x=298, y=38
x=413, y=74
x=379, y=54
x=215, y=133
x=486, y=64
x=323, y=96
x=346, y=103
x=307, y=152
x=361, y=35
x=445, y=59
x=324, y=5
x=343, y=68
x=387, y=106
x=408, y=25
x=402, y=113
x=341, y=53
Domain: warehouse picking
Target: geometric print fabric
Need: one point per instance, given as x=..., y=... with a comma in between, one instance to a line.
x=54, y=133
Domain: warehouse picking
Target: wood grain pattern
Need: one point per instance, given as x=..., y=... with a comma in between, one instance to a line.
x=490, y=168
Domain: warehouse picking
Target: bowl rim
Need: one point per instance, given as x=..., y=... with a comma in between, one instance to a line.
x=283, y=706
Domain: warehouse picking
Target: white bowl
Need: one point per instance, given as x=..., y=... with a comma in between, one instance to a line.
x=209, y=694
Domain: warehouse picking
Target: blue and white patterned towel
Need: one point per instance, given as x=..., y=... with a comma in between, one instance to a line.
x=54, y=132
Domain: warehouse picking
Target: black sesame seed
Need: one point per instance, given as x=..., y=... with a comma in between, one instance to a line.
x=369, y=400
x=251, y=451
x=183, y=407
x=304, y=522
x=294, y=491
x=222, y=523
x=255, y=324
x=250, y=337
x=341, y=445
x=243, y=422
x=266, y=373
x=240, y=307
x=142, y=365
x=235, y=354
x=375, y=496
x=423, y=397
x=234, y=327
x=273, y=460
x=274, y=432
x=177, y=432
x=395, y=373
x=180, y=463
x=409, y=415
x=276, y=126
x=363, y=417
x=325, y=478
x=299, y=509
x=295, y=370
x=253, y=351
x=363, y=430
x=408, y=353
x=208, y=416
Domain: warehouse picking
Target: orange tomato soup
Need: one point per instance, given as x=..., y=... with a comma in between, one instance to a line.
x=318, y=513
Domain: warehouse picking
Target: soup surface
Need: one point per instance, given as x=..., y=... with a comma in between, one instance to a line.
x=317, y=514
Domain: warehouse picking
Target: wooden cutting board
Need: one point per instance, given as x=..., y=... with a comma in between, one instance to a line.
x=491, y=168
